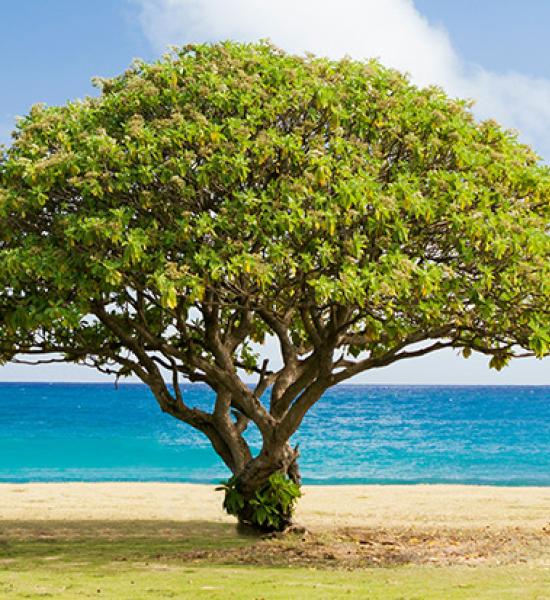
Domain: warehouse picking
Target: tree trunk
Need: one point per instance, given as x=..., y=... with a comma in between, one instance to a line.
x=255, y=477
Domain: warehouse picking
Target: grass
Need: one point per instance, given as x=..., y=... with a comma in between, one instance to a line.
x=214, y=581
x=153, y=560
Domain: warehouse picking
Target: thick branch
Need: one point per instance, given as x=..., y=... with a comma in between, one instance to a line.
x=382, y=361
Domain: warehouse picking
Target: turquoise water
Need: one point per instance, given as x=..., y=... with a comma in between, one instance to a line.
x=355, y=434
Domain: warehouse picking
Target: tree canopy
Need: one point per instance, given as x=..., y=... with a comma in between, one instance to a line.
x=227, y=192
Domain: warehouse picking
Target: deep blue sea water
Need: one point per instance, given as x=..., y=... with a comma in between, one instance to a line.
x=355, y=434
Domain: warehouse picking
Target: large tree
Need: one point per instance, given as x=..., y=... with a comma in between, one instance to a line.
x=231, y=192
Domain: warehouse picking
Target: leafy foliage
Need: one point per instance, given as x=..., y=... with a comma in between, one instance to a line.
x=282, y=179
x=271, y=506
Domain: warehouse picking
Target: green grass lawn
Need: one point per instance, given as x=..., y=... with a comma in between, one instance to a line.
x=158, y=580
x=201, y=560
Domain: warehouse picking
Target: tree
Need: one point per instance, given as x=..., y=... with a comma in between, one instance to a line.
x=229, y=192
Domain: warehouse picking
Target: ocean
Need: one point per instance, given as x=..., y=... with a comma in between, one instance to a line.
x=495, y=435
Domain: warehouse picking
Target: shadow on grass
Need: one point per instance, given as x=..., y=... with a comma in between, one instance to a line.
x=23, y=544
x=73, y=545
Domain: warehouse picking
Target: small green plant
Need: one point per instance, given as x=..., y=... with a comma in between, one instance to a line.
x=233, y=502
x=271, y=506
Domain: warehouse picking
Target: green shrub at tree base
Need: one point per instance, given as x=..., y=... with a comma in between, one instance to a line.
x=270, y=508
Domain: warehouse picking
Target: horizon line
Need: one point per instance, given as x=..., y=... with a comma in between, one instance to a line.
x=169, y=383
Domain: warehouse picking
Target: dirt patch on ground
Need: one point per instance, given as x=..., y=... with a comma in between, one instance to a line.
x=385, y=547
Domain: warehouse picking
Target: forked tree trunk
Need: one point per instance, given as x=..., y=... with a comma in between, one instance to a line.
x=225, y=426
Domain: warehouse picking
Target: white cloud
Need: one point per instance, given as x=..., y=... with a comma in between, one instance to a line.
x=392, y=30
x=515, y=100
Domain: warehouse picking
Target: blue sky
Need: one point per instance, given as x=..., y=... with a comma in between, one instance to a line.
x=495, y=51
x=502, y=35
x=51, y=49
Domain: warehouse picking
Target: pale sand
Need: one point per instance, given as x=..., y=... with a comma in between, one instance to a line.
x=388, y=506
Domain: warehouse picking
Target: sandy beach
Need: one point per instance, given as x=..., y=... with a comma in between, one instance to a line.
x=320, y=507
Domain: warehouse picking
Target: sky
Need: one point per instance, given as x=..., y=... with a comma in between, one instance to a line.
x=493, y=51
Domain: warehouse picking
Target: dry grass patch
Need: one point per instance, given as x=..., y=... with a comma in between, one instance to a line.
x=360, y=548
